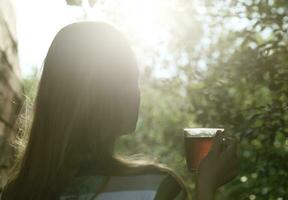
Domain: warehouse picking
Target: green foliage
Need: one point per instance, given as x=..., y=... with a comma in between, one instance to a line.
x=30, y=85
x=244, y=89
x=246, y=92
x=74, y=2
x=79, y=2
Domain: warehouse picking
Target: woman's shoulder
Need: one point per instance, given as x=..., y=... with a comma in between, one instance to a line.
x=154, y=183
x=170, y=184
x=126, y=176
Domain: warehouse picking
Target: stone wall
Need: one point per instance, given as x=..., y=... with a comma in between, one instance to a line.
x=10, y=86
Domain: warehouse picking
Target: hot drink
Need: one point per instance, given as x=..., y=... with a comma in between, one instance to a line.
x=198, y=142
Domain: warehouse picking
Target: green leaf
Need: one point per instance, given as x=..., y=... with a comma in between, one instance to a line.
x=92, y=2
x=74, y=2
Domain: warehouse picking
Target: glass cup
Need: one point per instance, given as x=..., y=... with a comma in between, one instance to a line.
x=198, y=142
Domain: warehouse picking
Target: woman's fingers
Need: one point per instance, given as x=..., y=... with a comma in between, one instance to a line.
x=231, y=149
x=230, y=175
x=223, y=158
x=217, y=143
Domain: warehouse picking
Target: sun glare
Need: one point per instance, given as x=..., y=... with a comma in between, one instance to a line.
x=147, y=23
x=146, y=19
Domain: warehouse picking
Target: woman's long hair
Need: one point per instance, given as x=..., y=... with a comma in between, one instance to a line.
x=87, y=96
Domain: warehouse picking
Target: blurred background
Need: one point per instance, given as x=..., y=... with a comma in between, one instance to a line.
x=221, y=63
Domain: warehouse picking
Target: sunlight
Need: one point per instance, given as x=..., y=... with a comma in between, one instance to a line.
x=144, y=16
x=161, y=64
x=147, y=24
x=146, y=19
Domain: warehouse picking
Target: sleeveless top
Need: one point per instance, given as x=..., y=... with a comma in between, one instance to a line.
x=132, y=187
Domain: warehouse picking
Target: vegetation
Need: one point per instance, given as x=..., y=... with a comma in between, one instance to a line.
x=237, y=79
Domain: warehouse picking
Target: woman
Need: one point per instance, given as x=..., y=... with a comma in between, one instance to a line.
x=87, y=97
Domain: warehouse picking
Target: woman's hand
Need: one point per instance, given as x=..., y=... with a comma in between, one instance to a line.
x=218, y=167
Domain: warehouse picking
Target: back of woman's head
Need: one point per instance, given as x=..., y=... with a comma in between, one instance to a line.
x=87, y=96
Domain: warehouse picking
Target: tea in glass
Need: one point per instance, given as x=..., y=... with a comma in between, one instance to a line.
x=198, y=142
